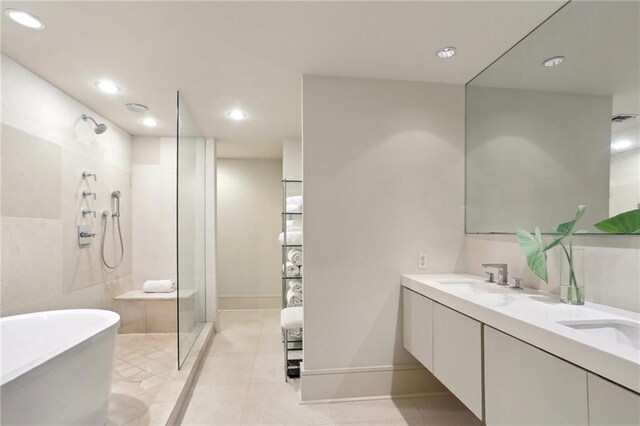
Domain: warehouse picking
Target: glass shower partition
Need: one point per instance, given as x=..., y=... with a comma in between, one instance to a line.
x=191, y=230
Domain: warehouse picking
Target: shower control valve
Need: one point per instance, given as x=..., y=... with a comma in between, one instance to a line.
x=85, y=235
x=86, y=194
x=87, y=211
x=86, y=175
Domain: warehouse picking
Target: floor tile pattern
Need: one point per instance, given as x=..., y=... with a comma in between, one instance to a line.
x=242, y=383
x=142, y=365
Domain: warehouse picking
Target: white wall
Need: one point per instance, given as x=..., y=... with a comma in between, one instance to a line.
x=383, y=181
x=154, y=208
x=45, y=148
x=249, y=221
x=292, y=159
x=534, y=156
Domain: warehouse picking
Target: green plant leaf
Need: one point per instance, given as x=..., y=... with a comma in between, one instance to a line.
x=555, y=243
x=624, y=223
x=534, y=249
x=566, y=229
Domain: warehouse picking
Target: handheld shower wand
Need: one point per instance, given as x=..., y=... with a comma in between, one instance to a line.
x=115, y=205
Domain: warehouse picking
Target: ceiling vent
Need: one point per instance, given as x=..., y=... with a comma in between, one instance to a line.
x=619, y=118
x=136, y=107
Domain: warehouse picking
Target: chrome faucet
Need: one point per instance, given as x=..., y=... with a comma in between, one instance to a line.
x=503, y=272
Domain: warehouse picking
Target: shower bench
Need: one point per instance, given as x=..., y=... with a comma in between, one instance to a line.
x=142, y=312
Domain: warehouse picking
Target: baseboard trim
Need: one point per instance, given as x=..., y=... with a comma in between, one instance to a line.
x=360, y=383
x=242, y=302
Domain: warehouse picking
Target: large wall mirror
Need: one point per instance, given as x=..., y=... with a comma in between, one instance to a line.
x=554, y=123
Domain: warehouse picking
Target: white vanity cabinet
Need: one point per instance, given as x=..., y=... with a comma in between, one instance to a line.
x=457, y=355
x=417, y=335
x=478, y=347
x=524, y=385
x=611, y=405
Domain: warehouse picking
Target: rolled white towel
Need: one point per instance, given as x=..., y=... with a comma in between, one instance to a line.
x=294, y=238
x=159, y=286
x=295, y=286
x=295, y=199
x=294, y=299
x=291, y=270
x=293, y=208
x=295, y=256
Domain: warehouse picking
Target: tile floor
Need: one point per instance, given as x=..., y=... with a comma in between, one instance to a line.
x=242, y=383
x=142, y=365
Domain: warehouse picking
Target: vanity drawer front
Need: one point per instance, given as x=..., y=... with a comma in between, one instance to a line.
x=417, y=334
x=611, y=405
x=527, y=386
x=457, y=355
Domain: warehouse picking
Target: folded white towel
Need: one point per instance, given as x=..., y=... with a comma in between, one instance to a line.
x=294, y=229
x=294, y=299
x=295, y=199
x=295, y=256
x=293, y=208
x=295, y=286
x=291, y=270
x=294, y=223
x=159, y=286
x=294, y=238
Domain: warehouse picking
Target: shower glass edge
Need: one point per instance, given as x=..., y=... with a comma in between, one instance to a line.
x=190, y=229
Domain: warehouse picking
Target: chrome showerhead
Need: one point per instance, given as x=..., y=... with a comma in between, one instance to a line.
x=99, y=128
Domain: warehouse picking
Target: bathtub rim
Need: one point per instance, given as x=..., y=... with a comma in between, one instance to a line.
x=113, y=320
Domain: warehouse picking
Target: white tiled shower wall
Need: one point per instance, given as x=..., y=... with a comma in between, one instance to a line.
x=45, y=148
x=154, y=209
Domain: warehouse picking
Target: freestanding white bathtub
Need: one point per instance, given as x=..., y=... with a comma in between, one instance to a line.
x=56, y=367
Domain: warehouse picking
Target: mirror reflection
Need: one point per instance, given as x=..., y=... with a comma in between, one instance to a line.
x=554, y=123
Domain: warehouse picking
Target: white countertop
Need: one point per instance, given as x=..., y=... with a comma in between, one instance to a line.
x=532, y=316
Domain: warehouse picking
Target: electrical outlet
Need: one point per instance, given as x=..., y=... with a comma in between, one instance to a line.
x=422, y=260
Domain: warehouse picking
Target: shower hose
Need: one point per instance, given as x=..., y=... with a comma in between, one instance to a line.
x=104, y=237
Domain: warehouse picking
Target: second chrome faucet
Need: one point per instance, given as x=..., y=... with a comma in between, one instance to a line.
x=503, y=275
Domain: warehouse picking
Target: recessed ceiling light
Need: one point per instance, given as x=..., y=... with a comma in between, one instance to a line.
x=23, y=18
x=237, y=115
x=553, y=62
x=136, y=107
x=620, y=145
x=107, y=87
x=149, y=122
x=446, y=52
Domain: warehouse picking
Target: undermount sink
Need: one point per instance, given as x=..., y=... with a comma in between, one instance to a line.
x=618, y=331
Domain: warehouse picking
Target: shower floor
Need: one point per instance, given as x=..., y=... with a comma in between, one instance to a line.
x=143, y=364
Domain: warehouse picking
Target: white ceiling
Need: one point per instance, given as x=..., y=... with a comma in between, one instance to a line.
x=252, y=55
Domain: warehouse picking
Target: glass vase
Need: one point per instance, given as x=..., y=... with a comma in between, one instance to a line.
x=572, y=277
